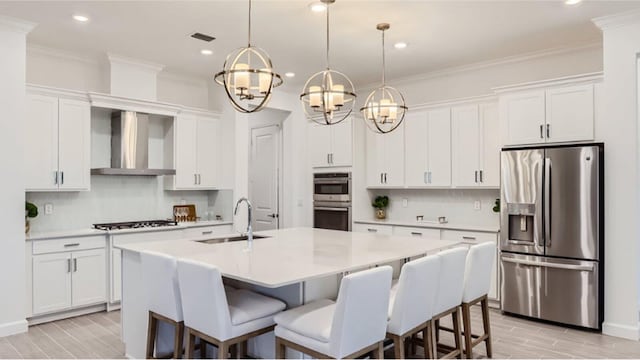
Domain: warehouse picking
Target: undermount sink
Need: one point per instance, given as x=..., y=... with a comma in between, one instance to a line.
x=230, y=239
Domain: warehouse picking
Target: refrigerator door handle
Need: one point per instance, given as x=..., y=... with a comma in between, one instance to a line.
x=549, y=265
x=547, y=201
x=519, y=242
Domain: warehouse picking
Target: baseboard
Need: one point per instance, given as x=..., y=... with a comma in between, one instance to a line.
x=622, y=331
x=66, y=314
x=15, y=327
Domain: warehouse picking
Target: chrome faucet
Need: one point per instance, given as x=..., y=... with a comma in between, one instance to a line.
x=249, y=229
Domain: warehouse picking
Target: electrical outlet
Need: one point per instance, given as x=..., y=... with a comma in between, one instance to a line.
x=405, y=202
x=48, y=209
x=476, y=205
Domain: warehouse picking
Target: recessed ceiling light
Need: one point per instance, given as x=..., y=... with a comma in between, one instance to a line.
x=80, y=18
x=206, y=52
x=318, y=6
x=290, y=74
x=400, y=45
x=572, y=2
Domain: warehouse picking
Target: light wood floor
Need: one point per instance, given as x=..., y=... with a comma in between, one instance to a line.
x=98, y=336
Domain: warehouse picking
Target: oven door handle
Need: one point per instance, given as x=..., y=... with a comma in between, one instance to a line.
x=330, y=181
x=331, y=208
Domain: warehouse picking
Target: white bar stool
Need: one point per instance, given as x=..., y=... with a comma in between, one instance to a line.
x=477, y=282
x=352, y=326
x=449, y=297
x=163, y=300
x=223, y=319
x=412, y=302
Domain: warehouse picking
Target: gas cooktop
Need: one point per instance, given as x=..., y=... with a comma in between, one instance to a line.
x=134, y=224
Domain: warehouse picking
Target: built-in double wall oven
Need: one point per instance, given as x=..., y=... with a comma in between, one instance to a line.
x=332, y=201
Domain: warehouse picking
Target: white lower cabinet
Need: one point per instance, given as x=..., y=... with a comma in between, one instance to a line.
x=69, y=279
x=471, y=238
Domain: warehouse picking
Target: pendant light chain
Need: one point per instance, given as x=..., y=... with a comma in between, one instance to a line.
x=249, y=36
x=327, y=54
x=384, y=64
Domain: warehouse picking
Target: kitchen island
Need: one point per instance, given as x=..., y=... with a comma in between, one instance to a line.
x=296, y=265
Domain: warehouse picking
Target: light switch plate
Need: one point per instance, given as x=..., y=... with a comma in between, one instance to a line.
x=476, y=205
x=405, y=202
x=48, y=209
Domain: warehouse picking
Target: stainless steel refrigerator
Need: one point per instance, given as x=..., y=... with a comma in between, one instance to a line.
x=552, y=233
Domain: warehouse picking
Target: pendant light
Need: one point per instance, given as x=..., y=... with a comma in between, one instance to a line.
x=248, y=77
x=384, y=108
x=328, y=96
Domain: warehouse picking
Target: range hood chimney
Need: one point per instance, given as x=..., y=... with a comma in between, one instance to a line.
x=130, y=146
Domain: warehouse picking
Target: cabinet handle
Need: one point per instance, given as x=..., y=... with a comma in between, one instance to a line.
x=481, y=180
x=469, y=238
x=55, y=178
x=381, y=181
x=75, y=264
x=476, y=176
x=328, y=161
x=62, y=177
x=199, y=179
x=372, y=230
x=548, y=131
x=416, y=233
x=331, y=158
x=207, y=232
x=71, y=245
x=68, y=265
x=430, y=177
x=426, y=177
x=385, y=178
x=541, y=131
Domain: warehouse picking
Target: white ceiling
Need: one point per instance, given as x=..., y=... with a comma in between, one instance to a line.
x=440, y=34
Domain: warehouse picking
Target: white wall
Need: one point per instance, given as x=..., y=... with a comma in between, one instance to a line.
x=618, y=128
x=12, y=246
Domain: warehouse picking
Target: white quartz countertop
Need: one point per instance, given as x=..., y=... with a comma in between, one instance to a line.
x=90, y=232
x=432, y=225
x=295, y=255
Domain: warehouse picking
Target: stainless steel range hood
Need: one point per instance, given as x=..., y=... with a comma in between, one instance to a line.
x=130, y=146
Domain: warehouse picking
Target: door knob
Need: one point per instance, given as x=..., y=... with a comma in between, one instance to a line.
x=273, y=216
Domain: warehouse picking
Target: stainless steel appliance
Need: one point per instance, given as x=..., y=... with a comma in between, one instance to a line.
x=130, y=146
x=552, y=233
x=332, y=201
x=135, y=224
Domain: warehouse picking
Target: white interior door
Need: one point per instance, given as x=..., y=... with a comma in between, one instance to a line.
x=263, y=176
x=207, y=154
x=41, y=155
x=74, y=121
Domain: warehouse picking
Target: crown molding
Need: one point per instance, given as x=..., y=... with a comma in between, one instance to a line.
x=16, y=25
x=200, y=112
x=38, y=49
x=617, y=20
x=566, y=80
x=455, y=102
x=491, y=63
x=142, y=64
x=123, y=103
x=57, y=92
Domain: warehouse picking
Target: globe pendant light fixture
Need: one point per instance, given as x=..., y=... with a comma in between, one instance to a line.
x=384, y=108
x=328, y=96
x=248, y=77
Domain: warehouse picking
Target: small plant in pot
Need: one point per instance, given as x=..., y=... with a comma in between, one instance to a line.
x=30, y=211
x=380, y=203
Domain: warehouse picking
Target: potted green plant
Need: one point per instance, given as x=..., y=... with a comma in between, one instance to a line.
x=496, y=206
x=30, y=211
x=380, y=203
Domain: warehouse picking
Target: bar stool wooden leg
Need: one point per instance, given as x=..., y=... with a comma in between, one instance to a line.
x=466, y=322
x=178, y=340
x=379, y=352
x=280, y=349
x=191, y=345
x=398, y=347
x=437, y=331
x=486, y=324
x=223, y=350
x=456, y=332
x=426, y=333
x=152, y=331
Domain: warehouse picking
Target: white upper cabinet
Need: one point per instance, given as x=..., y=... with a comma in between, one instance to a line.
x=428, y=148
x=58, y=153
x=553, y=114
x=331, y=145
x=385, y=158
x=475, y=146
x=194, y=146
x=570, y=113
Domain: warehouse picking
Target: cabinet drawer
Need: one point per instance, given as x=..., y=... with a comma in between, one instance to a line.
x=207, y=231
x=69, y=244
x=417, y=232
x=468, y=237
x=373, y=229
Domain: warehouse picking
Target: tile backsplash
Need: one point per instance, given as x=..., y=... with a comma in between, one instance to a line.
x=122, y=198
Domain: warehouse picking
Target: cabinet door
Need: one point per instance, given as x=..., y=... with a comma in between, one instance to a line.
x=373, y=229
x=206, y=147
x=416, y=149
x=320, y=144
x=41, y=153
x=74, y=136
x=394, y=157
x=465, y=137
x=570, y=113
x=439, y=147
x=116, y=275
x=51, y=282
x=89, y=280
x=375, y=158
x=426, y=233
x=524, y=115
x=186, y=151
x=341, y=143
x=490, y=145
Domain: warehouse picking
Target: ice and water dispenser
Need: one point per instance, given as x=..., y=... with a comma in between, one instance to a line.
x=521, y=220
